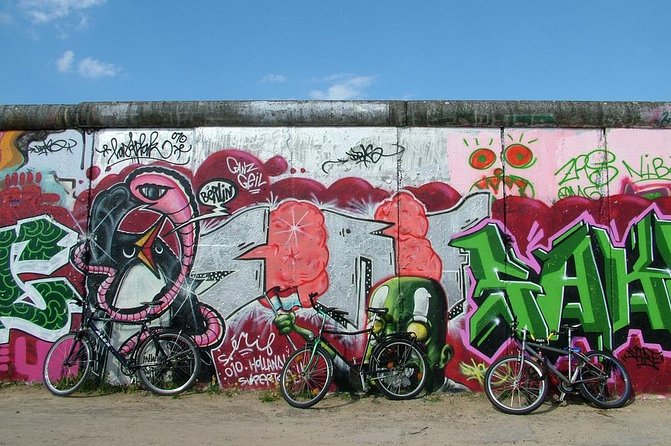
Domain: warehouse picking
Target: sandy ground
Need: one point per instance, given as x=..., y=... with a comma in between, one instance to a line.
x=29, y=415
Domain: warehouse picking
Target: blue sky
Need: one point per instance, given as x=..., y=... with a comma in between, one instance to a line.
x=70, y=51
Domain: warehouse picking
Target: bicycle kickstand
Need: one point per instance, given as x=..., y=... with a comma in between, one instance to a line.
x=562, y=399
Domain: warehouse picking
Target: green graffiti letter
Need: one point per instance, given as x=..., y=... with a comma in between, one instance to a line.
x=35, y=247
x=572, y=284
x=502, y=286
x=649, y=276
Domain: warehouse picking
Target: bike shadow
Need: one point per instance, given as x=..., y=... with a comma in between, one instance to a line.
x=552, y=403
x=337, y=400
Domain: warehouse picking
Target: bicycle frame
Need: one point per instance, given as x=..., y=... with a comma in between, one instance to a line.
x=89, y=325
x=319, y=340
x=107, y=342
x=518, y=383
x=534, y=349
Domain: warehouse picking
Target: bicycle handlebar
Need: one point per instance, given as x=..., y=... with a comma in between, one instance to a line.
x=563, y=329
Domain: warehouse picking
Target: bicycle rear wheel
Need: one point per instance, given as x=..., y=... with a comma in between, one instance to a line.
x=401, y=369
x=306, y=377
x=515, y=387
x=68, y=364
x=605, y=381
x=168, y=363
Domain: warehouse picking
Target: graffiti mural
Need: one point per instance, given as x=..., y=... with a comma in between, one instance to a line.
x=38, y=229
x=456, y=231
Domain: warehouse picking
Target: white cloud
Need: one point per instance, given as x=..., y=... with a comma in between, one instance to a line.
x=345, y=86
x=88, y=67
x=44, y=11
x=92, y=68
x=64, y=63
x=274, y=78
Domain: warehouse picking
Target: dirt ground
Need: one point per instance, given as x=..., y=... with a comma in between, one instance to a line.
x=29, y=415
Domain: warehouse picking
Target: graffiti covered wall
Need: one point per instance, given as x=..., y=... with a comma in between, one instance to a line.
x=456, y=230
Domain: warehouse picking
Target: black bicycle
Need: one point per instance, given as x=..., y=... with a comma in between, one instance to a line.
x=166, y=361
x=397, y=366
x=518, y=384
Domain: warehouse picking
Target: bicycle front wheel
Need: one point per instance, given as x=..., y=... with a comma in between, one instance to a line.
x=306, y=377
x=68, y=364
x=400, y=369
x=168, y=363
x=604, y=380
x=514, y=386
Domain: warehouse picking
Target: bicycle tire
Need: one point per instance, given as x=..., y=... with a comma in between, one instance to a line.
x=168, y=363
x=608, y=385
x=401, y=369
x=306, y=378
x=68, y=364
x=509, y=396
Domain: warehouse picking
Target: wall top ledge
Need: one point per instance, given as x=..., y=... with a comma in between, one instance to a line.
x=481, y=114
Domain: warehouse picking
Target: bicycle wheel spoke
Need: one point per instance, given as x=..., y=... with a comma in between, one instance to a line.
x=168, y=363
x=515, y=386
x=67, y=364
x=604, y=380
x=306, y=377
x=400, y=369
x=310, y=378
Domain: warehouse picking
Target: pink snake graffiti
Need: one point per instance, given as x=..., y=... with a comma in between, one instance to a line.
x=160, y=191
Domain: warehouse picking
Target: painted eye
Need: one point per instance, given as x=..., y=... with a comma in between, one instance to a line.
x=128, y=255
x=158, y=249
x=152, y=192
x=482, y=159
x=518, y=155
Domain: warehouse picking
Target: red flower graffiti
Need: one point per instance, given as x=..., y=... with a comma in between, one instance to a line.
x=296, y=254
x=415, y=255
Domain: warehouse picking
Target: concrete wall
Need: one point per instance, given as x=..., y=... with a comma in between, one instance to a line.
x=457, y=215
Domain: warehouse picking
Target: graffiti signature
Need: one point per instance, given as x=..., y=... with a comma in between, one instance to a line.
x=52, y=146
x=655, y=168
x=586, y=174
x=243, y=345
x=248, y=177
x=645, y=357
x=146, y=146
x=363, y=155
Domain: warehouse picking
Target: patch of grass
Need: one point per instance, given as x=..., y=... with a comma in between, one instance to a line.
x=232, y=391
x=270, y=396
x=105, y=387
x=16, y=383
x=213, y=387
x=347, y=396
x=433, y=398
x=89, y=386
x=471, y=395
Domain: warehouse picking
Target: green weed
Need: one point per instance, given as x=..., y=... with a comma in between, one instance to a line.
x=232, y=391
x=213, y=387
x=270, y=396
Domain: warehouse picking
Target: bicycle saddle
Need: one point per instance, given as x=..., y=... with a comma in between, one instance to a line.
x=570, y=326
